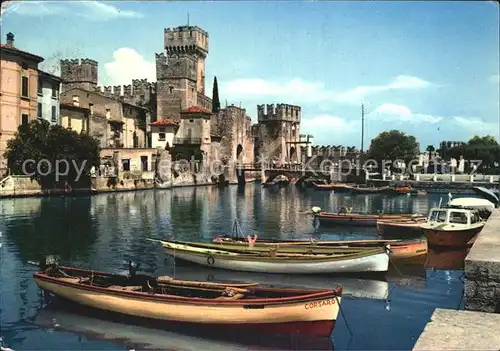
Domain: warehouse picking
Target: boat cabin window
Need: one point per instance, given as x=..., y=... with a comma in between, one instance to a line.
x=474, y=218
x=438, y=216
x=458, y=217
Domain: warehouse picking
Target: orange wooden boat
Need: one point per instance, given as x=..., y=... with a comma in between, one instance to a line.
x=287, y=311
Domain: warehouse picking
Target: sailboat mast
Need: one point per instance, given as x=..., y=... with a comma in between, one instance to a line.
x=362, y=126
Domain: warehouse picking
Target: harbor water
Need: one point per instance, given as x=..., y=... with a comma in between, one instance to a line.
x=105, y=231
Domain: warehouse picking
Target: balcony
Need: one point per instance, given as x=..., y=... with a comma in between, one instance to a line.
x=187, y=141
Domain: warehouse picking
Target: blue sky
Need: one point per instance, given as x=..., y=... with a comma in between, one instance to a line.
x=430, y=69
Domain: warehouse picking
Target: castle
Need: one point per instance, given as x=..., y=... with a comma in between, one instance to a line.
x=222, y=133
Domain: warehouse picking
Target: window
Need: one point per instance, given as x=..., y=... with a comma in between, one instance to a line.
x=126, y=164
x=161, y=137
x=438, y=216
x=108, y=113
x=54, y=117
x=69, y=122
x=25, y=87
x=191, y=121
x=39, y=113
x=144, y=163
x=171, y=89
x=40, y=91
x=458, y=217
x=91, y=108
x=55, y=88
x=24, y=119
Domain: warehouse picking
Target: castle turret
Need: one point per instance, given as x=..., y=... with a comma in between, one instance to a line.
x=190, y=40
x=81, y=73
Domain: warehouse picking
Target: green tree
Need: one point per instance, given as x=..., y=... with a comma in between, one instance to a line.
x=430, y=148
x=393, y=145
x=38, y=141
x=215, y=97
x=485, y=149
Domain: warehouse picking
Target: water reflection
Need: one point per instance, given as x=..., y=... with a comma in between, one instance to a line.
x=133, y=333
x=446, y=258
x=105, y=231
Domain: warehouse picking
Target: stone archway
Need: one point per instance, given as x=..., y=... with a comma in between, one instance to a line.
x=239, y=151
x=293, y=154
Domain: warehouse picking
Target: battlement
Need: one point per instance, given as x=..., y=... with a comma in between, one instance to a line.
x=79, y=72
x=139, y=90
x=280, y=112
x=79, y=62
x=190, y=39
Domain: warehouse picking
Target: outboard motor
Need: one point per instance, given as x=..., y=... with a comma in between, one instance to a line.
x=47, y=264
x=132, y=269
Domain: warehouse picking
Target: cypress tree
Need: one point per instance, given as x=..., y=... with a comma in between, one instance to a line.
x=215, y=97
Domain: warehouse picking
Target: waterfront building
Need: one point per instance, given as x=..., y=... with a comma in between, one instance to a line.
x=18, y=98
x=48, y=97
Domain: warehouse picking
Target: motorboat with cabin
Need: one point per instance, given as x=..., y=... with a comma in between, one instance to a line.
x=450, y=226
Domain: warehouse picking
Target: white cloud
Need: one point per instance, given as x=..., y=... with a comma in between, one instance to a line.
x=299, y=91
x=495, y=79
x=400, y=113
x=328, y=128
x=92, y=10
x=476, y=125
x=128, y=64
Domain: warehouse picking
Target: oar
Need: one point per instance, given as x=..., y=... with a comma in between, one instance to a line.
x=155, y=240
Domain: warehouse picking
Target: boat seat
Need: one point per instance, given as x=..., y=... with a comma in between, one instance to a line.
x=164, y=278
x=125, y=288
x=234, y=297
x=69, y=280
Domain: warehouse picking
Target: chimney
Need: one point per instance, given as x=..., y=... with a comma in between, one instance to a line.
x=10, y=39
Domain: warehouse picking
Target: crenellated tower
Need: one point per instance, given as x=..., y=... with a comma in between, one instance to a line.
x=81, y=73
x=278, y=132
x=192, y=41
x=180, y=71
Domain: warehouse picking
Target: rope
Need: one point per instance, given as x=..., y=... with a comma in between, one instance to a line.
x=463, y=291
x=343, y=316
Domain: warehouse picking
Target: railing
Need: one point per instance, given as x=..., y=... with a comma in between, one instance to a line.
x=189, y=141
x=259, y=166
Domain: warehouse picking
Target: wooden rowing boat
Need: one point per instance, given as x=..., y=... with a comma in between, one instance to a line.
x=302, y=311
x=358, y=219
x=400, y=228
x=339, y=187
x=340, y=260
x=399, y=250
x=368, y=190
x=452, y=226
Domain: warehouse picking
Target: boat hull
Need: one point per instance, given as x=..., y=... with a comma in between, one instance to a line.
x=376, y=262
x=400, y=250
x=399, y=230
x=410, y=253
x=356, y=219
x=452, y=238
x=313, y=317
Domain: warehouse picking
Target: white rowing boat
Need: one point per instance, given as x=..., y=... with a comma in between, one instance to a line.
x=353, y=261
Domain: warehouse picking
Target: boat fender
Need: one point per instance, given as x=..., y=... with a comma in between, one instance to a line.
x=210, y=260
x=316, y=209
x=388, y=249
